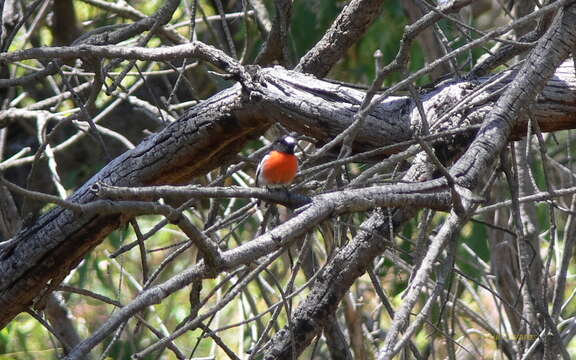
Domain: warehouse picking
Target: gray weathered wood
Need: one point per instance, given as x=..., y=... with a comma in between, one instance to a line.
x=211, y=133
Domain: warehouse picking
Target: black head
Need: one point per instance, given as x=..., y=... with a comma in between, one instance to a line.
x=285, y=144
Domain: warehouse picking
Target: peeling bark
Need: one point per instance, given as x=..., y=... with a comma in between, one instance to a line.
x=211, y=133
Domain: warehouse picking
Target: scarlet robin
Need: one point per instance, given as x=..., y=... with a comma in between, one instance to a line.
x=278, y=168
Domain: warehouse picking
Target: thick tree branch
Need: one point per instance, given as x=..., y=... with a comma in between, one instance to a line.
x=540, y=66
x=552, y=49
x=323, y=206
x=346, y=267
x=211, y=133
x=345, y=31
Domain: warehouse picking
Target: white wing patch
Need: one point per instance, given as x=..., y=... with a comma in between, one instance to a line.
x=259, y=172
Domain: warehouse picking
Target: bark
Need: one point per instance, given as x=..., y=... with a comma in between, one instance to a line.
x=65, y=25
x=354, y=20
x=352, y=260
x=57, y=242
x=10, y=222
x=331, y=285
x=429, y=42
x=502, y=123
x=62, y=321
x=276, y=46
x=210, y=134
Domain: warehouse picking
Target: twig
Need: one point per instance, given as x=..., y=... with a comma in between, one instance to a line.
x=196, y=49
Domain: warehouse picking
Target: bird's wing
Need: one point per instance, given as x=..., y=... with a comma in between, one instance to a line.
x=259, y=181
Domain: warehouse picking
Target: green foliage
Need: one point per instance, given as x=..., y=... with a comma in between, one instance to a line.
x=475, y=237
x=310, y=20
x=358, y=66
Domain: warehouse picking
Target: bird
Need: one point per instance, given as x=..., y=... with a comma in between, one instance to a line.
x=279, y=167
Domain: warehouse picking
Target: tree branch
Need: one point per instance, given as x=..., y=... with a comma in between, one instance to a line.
x=211, y=133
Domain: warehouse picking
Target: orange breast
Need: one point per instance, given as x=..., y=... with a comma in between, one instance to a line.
x=280, y=168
